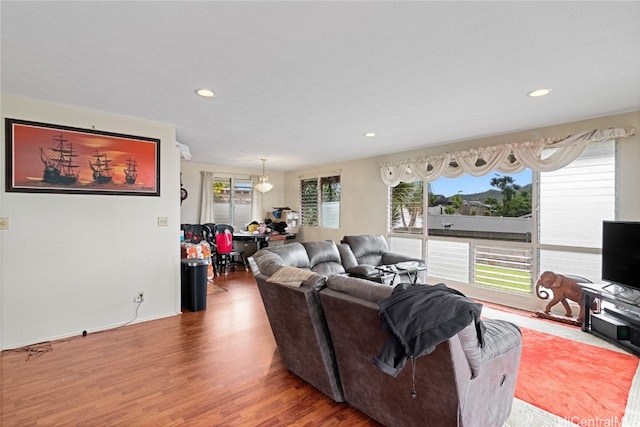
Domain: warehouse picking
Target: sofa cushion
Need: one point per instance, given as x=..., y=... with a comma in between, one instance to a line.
x=367, y=248
x=324, y=257
x=293, y=254
x=290, y=276
x=359, y=288
x=346, y=254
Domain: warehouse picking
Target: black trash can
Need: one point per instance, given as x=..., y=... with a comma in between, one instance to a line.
x=194, y=283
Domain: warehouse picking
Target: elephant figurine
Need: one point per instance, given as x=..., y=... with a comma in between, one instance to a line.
x=564, y=288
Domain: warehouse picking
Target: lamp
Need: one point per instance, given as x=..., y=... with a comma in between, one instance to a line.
x=263, y=184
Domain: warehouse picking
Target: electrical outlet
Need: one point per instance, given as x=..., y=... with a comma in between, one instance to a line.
x=139, y=297
x=4, y=223
x=163, y=221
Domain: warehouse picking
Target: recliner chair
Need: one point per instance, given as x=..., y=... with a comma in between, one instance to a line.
x=458, y=384
x=361, y=255
x=297, y=320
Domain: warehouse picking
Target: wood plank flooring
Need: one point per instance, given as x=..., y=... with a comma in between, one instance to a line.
x=216, y=367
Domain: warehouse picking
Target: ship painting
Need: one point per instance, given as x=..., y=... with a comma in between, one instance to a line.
x=48, y=158
x=102, y=172
x=58, y=162
x=131, y=172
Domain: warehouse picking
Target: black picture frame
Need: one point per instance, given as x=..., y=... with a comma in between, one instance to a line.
x=52, y=158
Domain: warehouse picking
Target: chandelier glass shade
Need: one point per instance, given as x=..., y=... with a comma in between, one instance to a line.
x=263, y=184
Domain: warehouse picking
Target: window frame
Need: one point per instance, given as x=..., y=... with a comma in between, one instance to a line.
x=232, y=180
x=313, y=206
x=535, y=246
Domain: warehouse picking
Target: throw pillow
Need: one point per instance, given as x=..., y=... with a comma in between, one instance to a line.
x=290, y=276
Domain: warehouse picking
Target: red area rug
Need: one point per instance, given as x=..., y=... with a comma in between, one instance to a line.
x=573, y=380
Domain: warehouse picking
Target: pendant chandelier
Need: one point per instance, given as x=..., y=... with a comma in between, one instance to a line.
x=263, y=184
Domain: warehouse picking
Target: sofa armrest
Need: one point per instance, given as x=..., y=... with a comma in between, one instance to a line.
x=359, y=288
x=471, y=348
x=394, y=258
x=266, y=262
x=315, y=281
x=364, y=271
x=496, y=379
x=499, y=337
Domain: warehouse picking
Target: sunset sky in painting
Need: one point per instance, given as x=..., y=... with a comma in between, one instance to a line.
x=28, y=140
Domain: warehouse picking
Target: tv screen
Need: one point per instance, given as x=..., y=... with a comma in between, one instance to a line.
x=621, y=253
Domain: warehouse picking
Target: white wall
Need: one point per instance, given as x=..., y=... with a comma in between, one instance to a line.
x=73, y=262
x=363, y=199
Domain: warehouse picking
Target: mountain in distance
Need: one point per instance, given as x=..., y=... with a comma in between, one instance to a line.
x=482, y=197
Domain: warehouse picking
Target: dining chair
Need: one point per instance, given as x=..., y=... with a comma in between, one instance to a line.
x=226, y=253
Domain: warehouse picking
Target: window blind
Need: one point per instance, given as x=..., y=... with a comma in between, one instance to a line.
x=576, y=199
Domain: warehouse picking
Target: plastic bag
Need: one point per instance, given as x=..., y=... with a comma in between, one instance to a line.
x=224, y=242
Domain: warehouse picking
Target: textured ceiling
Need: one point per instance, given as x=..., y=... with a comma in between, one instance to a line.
x=299, y=83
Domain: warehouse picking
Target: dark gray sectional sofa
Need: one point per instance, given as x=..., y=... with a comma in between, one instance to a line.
x=329, y=329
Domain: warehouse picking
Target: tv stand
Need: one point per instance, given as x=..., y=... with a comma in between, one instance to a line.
x=619, y=323
x=625, y=314
x=631, y=295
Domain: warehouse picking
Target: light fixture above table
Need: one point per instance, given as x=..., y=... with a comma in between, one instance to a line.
x=263, y=184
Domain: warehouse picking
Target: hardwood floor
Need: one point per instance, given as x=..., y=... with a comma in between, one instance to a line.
x=216, y=367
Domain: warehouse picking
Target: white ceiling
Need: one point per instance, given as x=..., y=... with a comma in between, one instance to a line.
x=299, y=83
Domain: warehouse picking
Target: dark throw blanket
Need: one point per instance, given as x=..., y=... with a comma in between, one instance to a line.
x=418, y=318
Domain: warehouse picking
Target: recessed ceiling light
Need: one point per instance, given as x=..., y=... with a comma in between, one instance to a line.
x=539, y=92
x=370, y=134
x=207, y=93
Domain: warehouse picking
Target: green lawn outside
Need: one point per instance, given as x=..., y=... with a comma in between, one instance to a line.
x=506, y=279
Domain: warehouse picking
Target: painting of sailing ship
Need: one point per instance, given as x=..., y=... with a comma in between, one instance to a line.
x=58, y=162
x=130, y=172
x=60, y=159
x=102, y=172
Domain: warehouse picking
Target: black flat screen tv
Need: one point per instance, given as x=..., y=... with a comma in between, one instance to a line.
x=621, y=253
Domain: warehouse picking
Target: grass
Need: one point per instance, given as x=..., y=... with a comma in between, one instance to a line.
x=503, y=278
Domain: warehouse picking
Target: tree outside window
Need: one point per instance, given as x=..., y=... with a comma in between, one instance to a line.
x=232, y=201
x=407, y=207
x=320, y=202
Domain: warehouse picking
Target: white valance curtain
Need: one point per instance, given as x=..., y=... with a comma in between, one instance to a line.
x=506, y=158
x=206, y=198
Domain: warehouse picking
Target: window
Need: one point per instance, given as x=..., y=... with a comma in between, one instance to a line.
x=495, y=206
x=483, y=230
x=320, y=202
x=483, y=212
x=232, y=201
x=406, y=207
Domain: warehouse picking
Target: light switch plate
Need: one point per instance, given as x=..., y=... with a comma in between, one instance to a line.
x=163, y=221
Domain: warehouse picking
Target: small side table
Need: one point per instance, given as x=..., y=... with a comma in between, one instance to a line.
x=393, y=270
x=412, y=273
x=386, y=271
